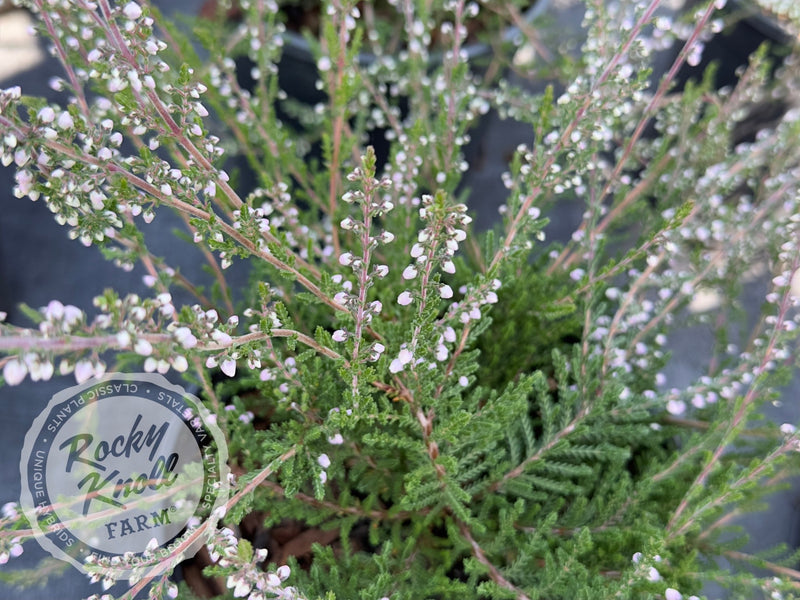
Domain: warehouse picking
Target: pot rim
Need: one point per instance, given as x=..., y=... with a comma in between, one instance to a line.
x=769, y=24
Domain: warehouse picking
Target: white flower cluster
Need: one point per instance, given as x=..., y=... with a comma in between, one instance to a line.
x=435, y=247
x=469, y=309
x=247, y=580
x=129, y=323
x=115, y=49
x=323, y=461
x=374, y=203
x=207, y=329
x=9, y=547
x=646, y=569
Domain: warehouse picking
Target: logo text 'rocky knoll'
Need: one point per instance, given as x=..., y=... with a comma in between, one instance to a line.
x=117, y=471
x=161, y=474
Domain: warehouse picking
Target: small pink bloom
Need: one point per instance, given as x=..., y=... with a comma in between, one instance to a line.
x=47, y=115
x=405, y=356
x=14, y=372
x=228, y=367
x=132, y=11
x=405, y=298
x=222, y=338
x=83, y=370
x=65, y=121
x=143, y=348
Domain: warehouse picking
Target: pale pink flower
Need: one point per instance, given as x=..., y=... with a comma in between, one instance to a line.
x=222, y=338
x=14, y=371
x=65, y=121
x=179, y=363
x=46, y=115
x=132, y=11
x=228, y=367
x=54, y=310
x=676, y=407
x=83, y=370
x=142, y=347
x=405, y=356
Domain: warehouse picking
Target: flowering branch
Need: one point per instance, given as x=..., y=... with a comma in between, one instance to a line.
x=202, y=531
x=730, y=428
x=564, y=139
x=61, y=345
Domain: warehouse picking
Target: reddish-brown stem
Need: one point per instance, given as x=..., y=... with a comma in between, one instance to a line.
x=496, y=575
x=46, y=17
x=665, y=84
x=363, y=284
x=69, y=343
x=202, y=531
x=733, y=425
x=336, y=79
x=792, y=574
x=514, y=226
x=215, y=268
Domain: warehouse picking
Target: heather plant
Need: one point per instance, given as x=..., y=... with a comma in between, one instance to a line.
x=447, y=413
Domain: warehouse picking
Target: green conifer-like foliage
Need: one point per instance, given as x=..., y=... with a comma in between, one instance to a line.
x=415, y=408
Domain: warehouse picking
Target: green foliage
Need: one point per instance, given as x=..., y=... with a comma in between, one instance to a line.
x=420, y=410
